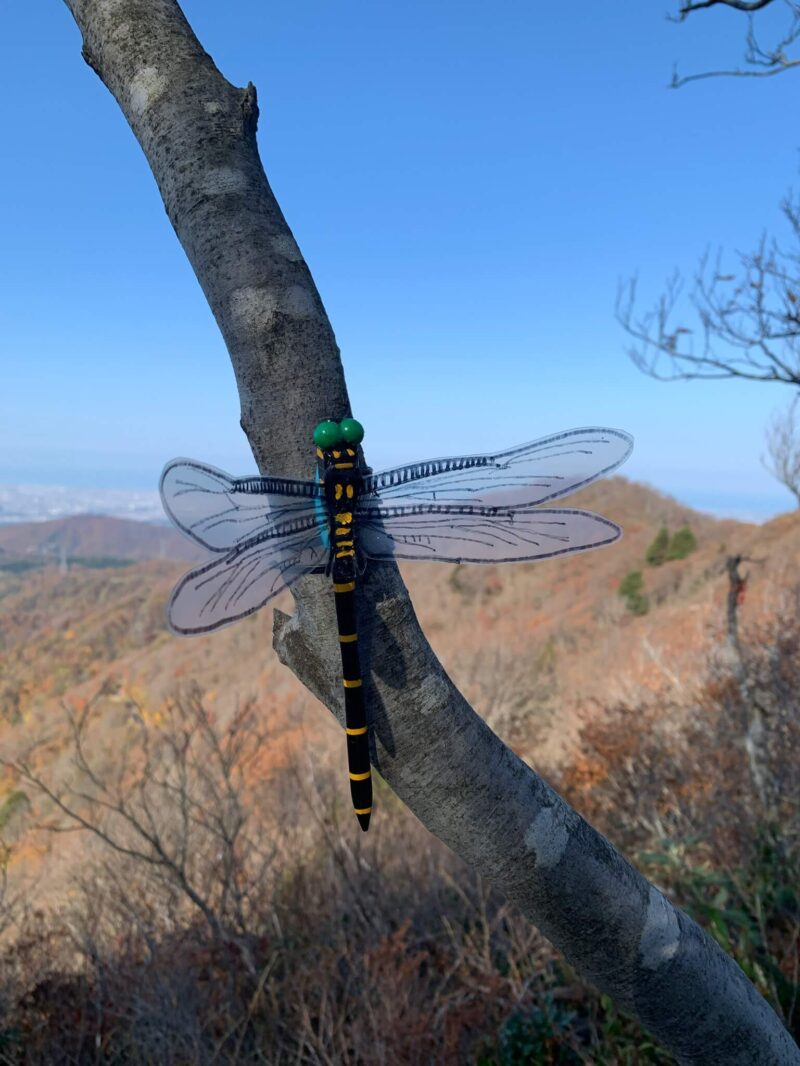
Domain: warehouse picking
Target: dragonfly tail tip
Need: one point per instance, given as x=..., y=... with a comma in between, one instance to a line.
x=363, y=821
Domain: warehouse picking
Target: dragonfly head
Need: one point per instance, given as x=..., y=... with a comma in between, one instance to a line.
x=343, y=437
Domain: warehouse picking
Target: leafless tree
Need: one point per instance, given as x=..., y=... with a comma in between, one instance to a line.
x=748, y=324
x=198, y=133
x=783, y=448
x=762, y=60
x=178, y=811
x=745, y=323
x=755, y=734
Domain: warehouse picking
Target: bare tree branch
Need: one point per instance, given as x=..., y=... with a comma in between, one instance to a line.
x=740, y=5
x=748, y=325
x=678, y=81
x=198, y=134
x=783, y=448
x=179, y=812
x=771, y=60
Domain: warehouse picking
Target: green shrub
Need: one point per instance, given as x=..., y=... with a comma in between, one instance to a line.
x=683, y=543
x=753, y=912
x=12, y=804
x=21, y=566
x=540, y=1034
x=101, y=562
x=656, y=554
x=583, y=1027
x=631, y=588
x=631, y=583
x=454, y=577
x=619, y=1040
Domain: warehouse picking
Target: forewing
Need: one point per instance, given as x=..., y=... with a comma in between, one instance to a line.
x=532, y=473
x=480, y=535
x=235, y=586
x=222, y=512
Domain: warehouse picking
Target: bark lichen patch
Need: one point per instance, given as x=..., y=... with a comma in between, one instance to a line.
x=661, y=933
x=432, y=694
x=299, y=303
x=219, y=181
x=548, y=835
x=120, y=31
x=286, y=247
x=254, y=307
x=147, y=85
x=213, y=107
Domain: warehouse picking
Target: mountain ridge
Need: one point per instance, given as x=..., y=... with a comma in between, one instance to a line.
x=91, y=535
x=535, y=647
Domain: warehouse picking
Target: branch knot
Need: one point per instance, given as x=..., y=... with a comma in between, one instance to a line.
x=250, y=110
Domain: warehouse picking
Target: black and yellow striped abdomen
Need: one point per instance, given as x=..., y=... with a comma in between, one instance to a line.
x=342, y=482
x=354, y=711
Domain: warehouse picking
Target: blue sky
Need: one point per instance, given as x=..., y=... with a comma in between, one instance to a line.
x=467, y=181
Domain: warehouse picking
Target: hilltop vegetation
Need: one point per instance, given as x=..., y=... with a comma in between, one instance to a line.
x=92, y=537
x=263, y=929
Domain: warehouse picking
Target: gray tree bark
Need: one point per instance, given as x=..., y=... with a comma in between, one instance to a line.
x=198, y=133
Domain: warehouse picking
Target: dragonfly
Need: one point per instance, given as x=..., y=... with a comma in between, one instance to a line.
x=266, y=533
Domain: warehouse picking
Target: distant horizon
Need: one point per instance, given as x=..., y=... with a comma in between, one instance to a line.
x=33, y=501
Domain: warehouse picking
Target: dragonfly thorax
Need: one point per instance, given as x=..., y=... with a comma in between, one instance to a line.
x=342, y=479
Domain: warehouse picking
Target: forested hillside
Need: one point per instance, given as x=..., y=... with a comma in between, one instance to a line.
x=188, y=794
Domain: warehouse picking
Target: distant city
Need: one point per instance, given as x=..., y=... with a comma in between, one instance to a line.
x=42, y=503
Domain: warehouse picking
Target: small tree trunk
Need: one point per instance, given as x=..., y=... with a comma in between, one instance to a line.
x=736, y=589
x=755, y=734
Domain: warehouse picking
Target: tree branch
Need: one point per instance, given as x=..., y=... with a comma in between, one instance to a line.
x=677, y=81
x=783, y=449
x=140, y=821
x=750, y=325
x=740, y=5
x=773, y=60
x=431, y=747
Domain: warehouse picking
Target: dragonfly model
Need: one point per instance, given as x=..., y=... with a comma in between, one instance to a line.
x=267, y=532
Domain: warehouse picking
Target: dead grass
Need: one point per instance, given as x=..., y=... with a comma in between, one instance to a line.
x=227, y=912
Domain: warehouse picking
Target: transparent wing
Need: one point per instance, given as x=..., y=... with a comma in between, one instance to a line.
x=230, y=588
x=222, y=512
x=480, y=535
x=531, y=473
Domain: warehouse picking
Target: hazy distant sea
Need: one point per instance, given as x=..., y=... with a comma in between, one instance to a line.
x=40, y=503
x=754, y=507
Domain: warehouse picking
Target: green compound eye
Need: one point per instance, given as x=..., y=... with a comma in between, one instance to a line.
x=352, y=431
x=327, y=434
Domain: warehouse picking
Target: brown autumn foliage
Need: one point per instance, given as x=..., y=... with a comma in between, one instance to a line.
x=673, y=770
x=261, y=928
x=200, y=932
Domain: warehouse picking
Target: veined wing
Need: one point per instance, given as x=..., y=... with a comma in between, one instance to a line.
x=241, y=582
x=529, y=474
x=466, y=534
x=223, y=512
